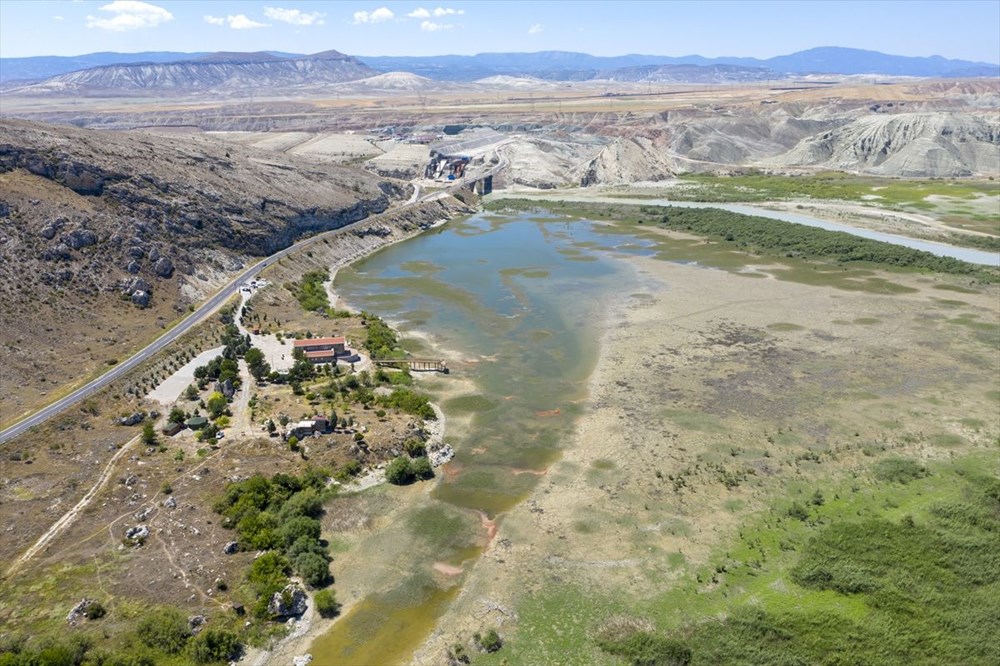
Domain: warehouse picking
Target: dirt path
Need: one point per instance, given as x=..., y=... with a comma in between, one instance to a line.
x=70, y=516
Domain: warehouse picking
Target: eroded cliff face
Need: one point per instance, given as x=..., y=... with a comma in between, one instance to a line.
x=105, y=238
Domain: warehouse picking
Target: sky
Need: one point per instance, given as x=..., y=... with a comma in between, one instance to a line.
x=968, y=29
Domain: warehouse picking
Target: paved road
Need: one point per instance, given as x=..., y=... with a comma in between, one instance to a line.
x=205, y=310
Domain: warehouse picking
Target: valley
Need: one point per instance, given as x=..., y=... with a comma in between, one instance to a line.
x=675, y=427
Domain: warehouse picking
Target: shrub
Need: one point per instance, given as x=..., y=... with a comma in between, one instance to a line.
x=488, y=642
x=326, y=603
x=164, y=629
x=95, y=611
x=645, y=649
x=414, y=447
x=422, y=468
x=297, y=527
x=399, y=471
x=313, y=568
x=899, y=470
x=214, y=645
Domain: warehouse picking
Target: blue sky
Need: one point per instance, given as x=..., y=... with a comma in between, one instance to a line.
x=967, y=29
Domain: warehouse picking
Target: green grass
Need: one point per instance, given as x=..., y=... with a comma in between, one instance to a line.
x=899, y=564
x=831, y=185
x=734, y=235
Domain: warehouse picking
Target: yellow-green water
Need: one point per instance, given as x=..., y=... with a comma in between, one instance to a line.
x=524, y=298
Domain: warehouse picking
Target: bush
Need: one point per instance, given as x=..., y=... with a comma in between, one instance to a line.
x=488, y=642
x=645, y=649
x=313, y=568
x=326, y=603
x=899, y=470
x=299, y=526
x=164, y=629
x=414, y=448
x=96, y=611
x=422, y=468
x=214, y=645
x=399, y=471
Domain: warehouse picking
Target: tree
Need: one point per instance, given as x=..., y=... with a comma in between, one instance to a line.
x=399, y=471
x=214, y=645
x=259, y=367
x=299, y=526
x=422, y=468
x=326, y=603
x=313, y=568
x=148, y=433
x=191, y=392
x=216, y=404
x=165, y=629
x=488, y=642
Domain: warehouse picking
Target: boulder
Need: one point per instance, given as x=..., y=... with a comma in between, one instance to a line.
x=135, y=418
x=164, y=268
x=80, y=238
x=79, y=610
x=50, y=230
x=226, y=388
x=154, y=255
x=140, y=298
x=144, y=514
x=231, y=548
x=137, y=532
x=133, y=267
x=58, y=252
x=131, y=285
x=170, y=503
x=302, y=660
x=289, y=602
x=196, y=622
x=136, y=252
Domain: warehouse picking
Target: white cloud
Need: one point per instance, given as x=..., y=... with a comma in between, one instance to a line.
x=420, y=13
x=57, y=18
x=441, y=11
x=241, y=22
x=236, y=22
x=293, y=16
x=380, y=15
x=129, y=15
x=431, y=26
x=535, y=29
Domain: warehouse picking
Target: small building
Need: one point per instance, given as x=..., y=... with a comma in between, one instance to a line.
x=172, y=428
x=322, y=350
x=309, y=426
x=196, y=422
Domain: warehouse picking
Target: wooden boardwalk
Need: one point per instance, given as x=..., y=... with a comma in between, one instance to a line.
x=418, y=364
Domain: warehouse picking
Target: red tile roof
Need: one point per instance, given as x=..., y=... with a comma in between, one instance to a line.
x=311, y=342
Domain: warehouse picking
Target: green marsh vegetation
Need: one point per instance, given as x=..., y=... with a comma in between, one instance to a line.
x=764, y=237
x=899, y=564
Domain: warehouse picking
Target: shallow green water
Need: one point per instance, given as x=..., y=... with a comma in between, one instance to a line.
x=522, y=300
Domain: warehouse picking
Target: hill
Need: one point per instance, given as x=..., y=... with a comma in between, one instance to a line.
x=107, y=236
x=217, y=72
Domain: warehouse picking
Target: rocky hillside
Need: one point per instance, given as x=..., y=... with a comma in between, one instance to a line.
x=914, y=145
x=107, y=237
x=218, y=72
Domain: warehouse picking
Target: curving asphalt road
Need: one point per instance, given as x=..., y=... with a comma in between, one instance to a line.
x=206, y=309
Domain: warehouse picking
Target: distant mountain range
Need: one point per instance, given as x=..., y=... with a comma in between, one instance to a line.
x=559, y=64
x=212, y=72
x=142, y=70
